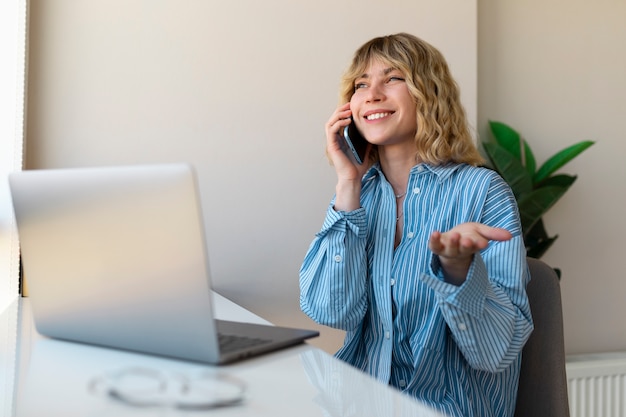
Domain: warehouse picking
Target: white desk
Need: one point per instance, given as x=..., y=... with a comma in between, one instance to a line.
x=51, y=378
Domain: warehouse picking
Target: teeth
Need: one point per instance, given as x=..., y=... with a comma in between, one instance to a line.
x=377, y=116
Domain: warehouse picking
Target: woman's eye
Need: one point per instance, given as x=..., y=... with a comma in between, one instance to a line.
x=359, y=85
x=396, y=78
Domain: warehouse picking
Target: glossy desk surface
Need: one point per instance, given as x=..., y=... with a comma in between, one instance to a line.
x=52, y=378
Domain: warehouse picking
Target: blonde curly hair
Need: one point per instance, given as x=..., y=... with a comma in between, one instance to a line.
x=443, y=134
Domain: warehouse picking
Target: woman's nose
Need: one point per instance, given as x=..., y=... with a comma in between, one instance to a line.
x=374, y=93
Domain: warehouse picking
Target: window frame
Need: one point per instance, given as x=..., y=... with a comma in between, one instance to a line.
x=13, y=79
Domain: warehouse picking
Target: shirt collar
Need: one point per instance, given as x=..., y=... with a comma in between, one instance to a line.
x=442, y=171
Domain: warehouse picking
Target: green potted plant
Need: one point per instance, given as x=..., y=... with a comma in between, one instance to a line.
x=536, y=189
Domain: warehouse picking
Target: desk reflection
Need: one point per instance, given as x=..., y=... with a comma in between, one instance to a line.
x=47, y=377
x=344, y=391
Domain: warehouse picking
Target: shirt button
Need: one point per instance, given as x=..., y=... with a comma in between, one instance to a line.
x=387, y=335
x=402, y=383
x=393, y=281
x=420, y=168
x=462, y=326
x=337, y=258
x=416, y=190
x=410, y=235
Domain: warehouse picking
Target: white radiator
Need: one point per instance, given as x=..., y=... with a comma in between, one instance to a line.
x=596, y=384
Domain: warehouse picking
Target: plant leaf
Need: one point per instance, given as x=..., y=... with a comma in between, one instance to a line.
x=509, y=168
x=537, y=241
x=534, y=205
x=561, y=180
x=559, y=159
x=509, y=139
x=540, y=248
x=535, y=233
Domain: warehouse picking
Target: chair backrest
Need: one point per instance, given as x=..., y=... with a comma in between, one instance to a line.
x=542, y=388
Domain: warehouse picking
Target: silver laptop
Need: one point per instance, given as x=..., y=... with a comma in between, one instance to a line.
x=116, y=256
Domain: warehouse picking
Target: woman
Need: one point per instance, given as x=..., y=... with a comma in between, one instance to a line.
x=420, y=259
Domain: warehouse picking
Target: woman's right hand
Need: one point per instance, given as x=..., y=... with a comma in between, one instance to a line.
x=349, y=172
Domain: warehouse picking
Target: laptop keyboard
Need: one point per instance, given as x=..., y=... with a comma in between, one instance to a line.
x=230, y=343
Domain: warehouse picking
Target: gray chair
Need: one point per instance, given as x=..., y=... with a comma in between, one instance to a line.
x=542, y=388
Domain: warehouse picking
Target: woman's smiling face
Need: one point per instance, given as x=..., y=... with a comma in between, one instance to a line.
x=382, y=106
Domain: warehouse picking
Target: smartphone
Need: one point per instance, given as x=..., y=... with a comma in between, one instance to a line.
x=356, y=142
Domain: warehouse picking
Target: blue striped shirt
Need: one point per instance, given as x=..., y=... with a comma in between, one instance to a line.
x=457, y=349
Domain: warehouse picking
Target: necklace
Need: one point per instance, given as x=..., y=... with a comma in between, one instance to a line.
x=399, y=196
x=399, y=216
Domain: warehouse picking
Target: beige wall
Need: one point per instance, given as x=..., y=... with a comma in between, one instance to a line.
x=241, y=89
x=556, y=70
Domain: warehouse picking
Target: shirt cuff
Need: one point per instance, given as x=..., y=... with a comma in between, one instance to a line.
x=468, y=297
x=343, y=221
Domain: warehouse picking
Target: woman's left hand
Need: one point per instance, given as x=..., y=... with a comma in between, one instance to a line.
x=457, y=246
